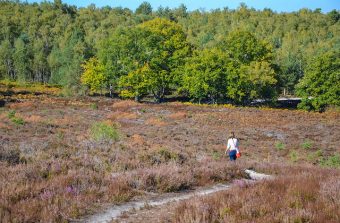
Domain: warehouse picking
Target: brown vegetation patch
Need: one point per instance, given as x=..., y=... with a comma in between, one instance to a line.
x=3, y=125
x=124, y=105
x=122, y=115
x=25, y=104
x=138, y=140
x=302, y=196
x=156, y=122
x=65, y=121
x=55, y=166
x=178, y=116
x=33, y=118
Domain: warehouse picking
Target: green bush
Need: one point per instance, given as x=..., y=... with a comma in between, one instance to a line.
x=216, y=155
x=294, y=157
x=14, y=119
x=11, y=114
x=18, y=121
x=280, y=145
x=104, y=131
x=312, y=157
x=94, y=106
x=319, y=87
x=332, y=161
x=307, y=144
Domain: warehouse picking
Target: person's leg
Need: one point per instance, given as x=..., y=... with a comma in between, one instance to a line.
x=232, y=155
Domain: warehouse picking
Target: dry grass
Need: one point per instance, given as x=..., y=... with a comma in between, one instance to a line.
x=156, y=122
x=124, y=105
x=178, y=116
x=309, y=195
x=51, y=170
x=122, y=116
x=26, y=104
x=33, y=118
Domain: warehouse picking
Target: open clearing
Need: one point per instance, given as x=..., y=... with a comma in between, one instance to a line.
x=53, y=168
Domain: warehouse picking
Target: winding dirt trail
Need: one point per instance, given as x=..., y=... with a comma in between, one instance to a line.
x=114, y=212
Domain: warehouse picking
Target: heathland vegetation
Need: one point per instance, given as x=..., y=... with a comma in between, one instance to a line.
x=64, y=158
x=223, y=55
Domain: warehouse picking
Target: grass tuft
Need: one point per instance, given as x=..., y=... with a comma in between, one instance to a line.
x=332, y=161
x=307, y=144
x=104, y=131
x=280, y=146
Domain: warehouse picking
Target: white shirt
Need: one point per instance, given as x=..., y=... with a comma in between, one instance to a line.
x=232, y=144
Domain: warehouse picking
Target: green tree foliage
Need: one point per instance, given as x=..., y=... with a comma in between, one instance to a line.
x=248, y=82
x=39, y=63
x=20, y=60
x=245, y=47
x=122, y=53
x=6, y=61
x=65, y=62
x=165, y=48
x=205, y=75
x=145, y=8
x=48, y=42
x=334, y=16
x=251, y=73
x=320, y=87
x=134, y=84
x=94, y=74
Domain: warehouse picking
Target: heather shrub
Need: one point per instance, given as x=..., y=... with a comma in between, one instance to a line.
x=329, y=190
x=161, y=155
x=11, y=156
x=162, y=178
x=301, y=195
x=104, y=131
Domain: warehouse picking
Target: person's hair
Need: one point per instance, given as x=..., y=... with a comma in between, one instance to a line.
x=232, y=135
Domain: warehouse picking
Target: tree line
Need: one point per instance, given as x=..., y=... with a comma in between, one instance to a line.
x=209, y=56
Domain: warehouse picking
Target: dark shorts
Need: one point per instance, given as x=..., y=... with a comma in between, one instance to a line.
x=232, y=155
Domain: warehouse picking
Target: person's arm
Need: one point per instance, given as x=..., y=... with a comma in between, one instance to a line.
x=228, y=147
x=237, y=146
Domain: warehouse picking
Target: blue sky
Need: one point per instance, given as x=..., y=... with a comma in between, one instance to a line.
x=276, y=5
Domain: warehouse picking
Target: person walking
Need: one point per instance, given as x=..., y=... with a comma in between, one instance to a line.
x=232, y=147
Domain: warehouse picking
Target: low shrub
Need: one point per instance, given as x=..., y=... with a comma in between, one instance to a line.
x=11, y=156
x=18, y=121
x=314, y=156
x=162, y=155
x=280, y=146
x=104, y=131
x=94, y=106
x=332, y=161
x=307, y=144
x=216, y=155
x=11, y=114
x=301, y=195
x=293, y=155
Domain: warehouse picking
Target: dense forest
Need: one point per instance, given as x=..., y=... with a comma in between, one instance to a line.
x=223, y=55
